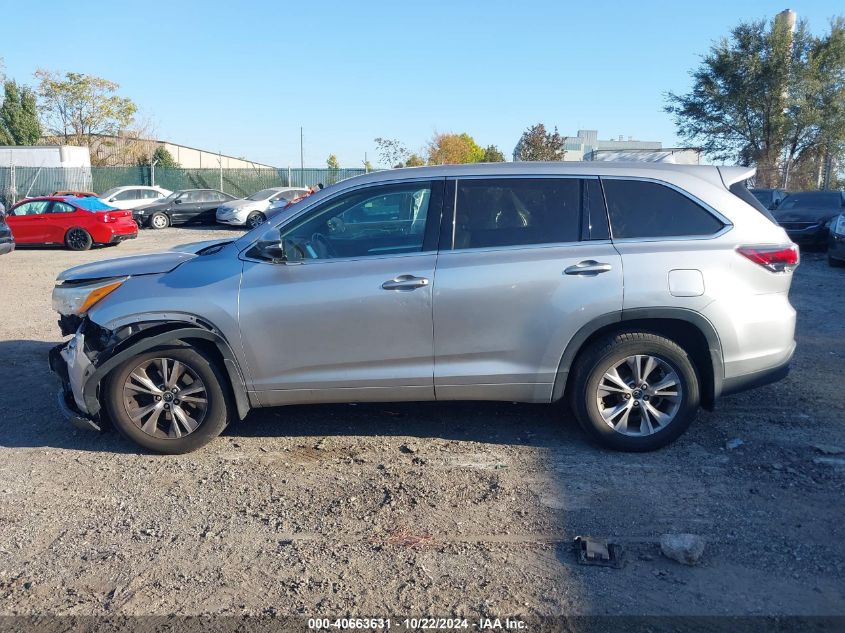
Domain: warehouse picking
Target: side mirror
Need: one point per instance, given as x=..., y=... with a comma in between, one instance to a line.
x=177, y=201
x=270, y=247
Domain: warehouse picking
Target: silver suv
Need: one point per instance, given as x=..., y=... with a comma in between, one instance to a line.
x=638, y=292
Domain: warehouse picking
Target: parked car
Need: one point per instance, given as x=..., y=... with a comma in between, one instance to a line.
x=132, y=197
x=770, y=198
x=197, y=206
x=836, y=242
x=462, y=282
x=807, y=215
x=7, y=242
x=74, y=194
x=78, y=223
x=252, y=211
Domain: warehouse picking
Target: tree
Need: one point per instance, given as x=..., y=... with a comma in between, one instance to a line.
x=77, y=108
x=768, y=96
x=161, y=157
x=391, y=151
x=415, y=160
x=19, y=116
x=492, y=154
x=538, y=144
x=453, y=149
x=332, y=162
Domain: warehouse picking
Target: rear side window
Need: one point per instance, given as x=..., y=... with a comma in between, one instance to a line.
x=641, y=209
x=524, y=211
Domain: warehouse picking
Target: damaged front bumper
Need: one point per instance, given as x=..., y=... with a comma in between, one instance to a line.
x=73, y=367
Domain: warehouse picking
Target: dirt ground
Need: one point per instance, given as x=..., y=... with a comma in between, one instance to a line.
x=418, y=509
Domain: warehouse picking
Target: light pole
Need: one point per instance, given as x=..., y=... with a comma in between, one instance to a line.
x=153, y=173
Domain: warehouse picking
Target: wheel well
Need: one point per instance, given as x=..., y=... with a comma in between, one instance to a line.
x=689, y=337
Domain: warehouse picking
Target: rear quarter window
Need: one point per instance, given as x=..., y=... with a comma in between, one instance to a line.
x=643, y=209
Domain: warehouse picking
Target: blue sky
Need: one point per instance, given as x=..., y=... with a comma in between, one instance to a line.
x=241, y=77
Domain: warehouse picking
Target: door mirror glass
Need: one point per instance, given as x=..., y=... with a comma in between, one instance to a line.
x=177, y=201
x=270, y=247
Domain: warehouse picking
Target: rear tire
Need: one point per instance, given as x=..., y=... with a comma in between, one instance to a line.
x=159, y=221
x=619, y=413
x=189, y=403
x=254, y=219
x=835, y=263
x=77, y=239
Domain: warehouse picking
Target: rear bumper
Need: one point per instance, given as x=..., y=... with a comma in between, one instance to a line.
x=759, y=378
x=116, y=239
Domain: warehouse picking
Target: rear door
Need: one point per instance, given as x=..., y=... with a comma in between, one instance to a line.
x=525, y=264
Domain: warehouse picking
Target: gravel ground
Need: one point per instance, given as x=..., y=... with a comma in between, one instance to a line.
x=418, y=509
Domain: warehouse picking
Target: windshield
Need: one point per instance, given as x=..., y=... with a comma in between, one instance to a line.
x=763, y=195
x=815, y=199
x=264, y=194
x=172, y=196
x=110, y=192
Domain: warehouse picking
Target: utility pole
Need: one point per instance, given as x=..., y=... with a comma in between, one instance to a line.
x=301, y=151
x=788, y=17
x=153, y=172
x=220, y=162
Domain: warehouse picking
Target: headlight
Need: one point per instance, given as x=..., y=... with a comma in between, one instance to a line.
x=838, y=225
x=79, y=298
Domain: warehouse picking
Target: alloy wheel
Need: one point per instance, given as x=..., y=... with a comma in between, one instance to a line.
x=159, y=221
x=165, y=398
x=77, y=239
x=639, y=395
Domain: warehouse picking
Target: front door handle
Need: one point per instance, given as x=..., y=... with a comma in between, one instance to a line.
x=405, y=282
x=587, y=268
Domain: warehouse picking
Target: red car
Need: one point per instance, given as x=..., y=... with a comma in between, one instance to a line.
x=75, y=222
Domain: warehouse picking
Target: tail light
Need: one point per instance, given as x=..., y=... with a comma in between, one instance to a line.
x=105, y=217
x=777, y=259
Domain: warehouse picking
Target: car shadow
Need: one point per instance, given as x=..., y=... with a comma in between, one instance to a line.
x=31, y=417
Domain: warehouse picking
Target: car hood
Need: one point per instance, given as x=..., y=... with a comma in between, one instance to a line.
x=804, y=214
x=154, y=206
x=238, y=205
x=127, y=266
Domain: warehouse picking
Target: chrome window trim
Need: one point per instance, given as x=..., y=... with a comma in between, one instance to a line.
x=727, y=225
x=526, y=247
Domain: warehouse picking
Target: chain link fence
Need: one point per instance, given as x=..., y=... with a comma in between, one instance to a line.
x=22, y=182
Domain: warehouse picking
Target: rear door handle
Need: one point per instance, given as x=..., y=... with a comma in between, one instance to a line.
x=587, y=268
x=405, y=282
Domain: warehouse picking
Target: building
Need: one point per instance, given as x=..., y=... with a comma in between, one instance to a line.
x=675, y=155
x=586, y=142
x=126, y=151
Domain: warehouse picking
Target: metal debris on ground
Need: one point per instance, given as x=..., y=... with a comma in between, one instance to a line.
x=592, y=551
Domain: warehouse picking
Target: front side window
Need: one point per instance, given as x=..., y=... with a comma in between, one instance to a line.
x=378, y=220
x=643, y=209
x=525, y=211
x=37, y=207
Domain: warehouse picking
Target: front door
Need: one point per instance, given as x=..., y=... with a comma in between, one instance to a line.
x=347, y=316
x=531, y=264
x=28, y=222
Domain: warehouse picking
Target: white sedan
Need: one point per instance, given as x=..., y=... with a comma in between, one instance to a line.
x=133, y=196
x=252, y=211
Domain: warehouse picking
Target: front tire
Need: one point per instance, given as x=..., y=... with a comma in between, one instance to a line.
x=635, y=391
x=254, y=219
x=159, y=221
x=169, y=399
x=77, y=239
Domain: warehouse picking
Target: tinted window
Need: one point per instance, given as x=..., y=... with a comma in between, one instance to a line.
x=640, y=209
x=815, y=199
x=522, y=211
x=379, y=220
x=765, y=196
